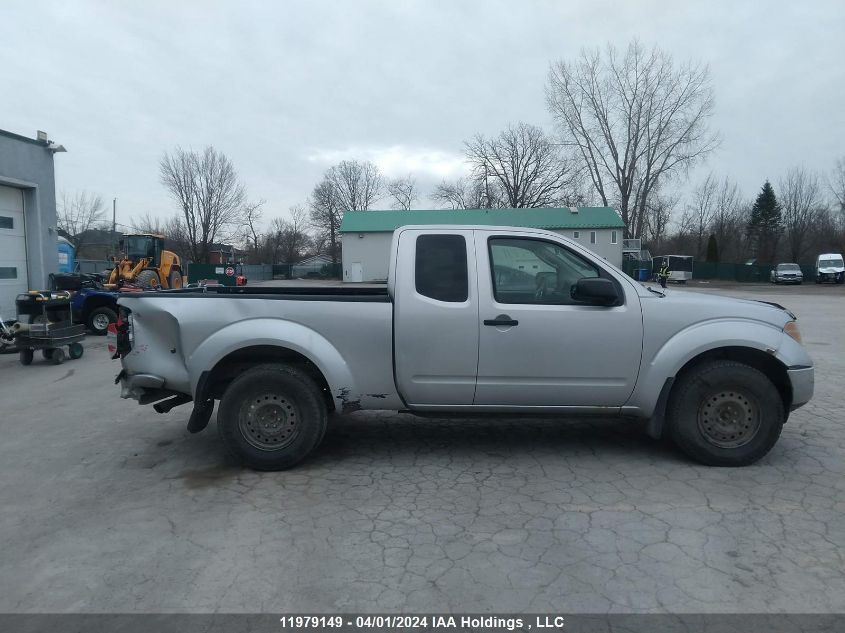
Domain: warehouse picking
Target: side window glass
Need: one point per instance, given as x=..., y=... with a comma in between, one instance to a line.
x=440, y=269
x=535, y=271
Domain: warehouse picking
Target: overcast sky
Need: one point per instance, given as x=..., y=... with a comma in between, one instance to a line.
x=286, y=89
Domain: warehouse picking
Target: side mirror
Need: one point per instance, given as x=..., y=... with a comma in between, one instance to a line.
x=596, y=290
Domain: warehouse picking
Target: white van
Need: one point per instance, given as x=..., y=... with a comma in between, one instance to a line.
x=830, y=267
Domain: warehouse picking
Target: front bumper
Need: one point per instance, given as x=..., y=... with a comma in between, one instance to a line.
x=802, y=380
x=789, y=280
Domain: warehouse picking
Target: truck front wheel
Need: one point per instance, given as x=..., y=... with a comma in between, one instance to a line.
x=271, y=417
x=725, y=413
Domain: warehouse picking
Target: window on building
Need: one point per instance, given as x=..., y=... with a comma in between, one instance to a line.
x=576, y=234
x=8, y=273
x=613, y=237
x=6, y=222
x=440, y=269
x=551, y=272
x=592, y=237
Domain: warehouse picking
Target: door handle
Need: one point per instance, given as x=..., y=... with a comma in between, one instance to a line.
x=503, y=320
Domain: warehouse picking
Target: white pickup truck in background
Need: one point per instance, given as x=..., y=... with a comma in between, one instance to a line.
x=473, y=320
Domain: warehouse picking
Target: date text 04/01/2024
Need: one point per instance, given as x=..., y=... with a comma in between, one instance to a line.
x=422, y=621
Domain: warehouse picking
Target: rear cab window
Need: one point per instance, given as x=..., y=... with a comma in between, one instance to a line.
x=440, y=268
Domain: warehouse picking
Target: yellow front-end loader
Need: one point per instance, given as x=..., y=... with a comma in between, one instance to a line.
x=146, y=264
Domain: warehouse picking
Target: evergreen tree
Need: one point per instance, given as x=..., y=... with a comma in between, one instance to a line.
x=765, y=225
x=712, y=249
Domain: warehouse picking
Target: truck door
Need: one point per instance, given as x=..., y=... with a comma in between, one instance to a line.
x=537, y=345
x=435, y=318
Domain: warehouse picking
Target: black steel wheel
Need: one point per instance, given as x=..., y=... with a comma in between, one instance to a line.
x=272, y=416
x=725, y=413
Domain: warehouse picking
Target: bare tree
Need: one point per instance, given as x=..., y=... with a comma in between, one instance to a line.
x=209, y=194
x=293, y=236
x=79, y=213
x=252, y=214
x=727, y=222
x=801, y=200
x=837, y=185
x=357, y=185
x=634, y=120
x=326, y=215
x=463, y=193
x=403, y=190
x=528, y=169
x=658, y=214
x=699, y=214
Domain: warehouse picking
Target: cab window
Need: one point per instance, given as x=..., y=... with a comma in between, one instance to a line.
x=529, y=270
x=440, y=269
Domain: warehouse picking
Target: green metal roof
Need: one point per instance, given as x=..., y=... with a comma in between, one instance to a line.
x=389, y=221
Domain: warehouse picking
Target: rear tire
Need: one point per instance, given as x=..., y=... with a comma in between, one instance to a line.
x=175, y=279
x=25, y=357
x=271, y=417
x=725, y=413
x=99, y=319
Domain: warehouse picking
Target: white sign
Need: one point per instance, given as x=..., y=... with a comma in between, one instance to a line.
x=218, y=271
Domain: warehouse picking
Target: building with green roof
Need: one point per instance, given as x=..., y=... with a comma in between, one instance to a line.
x=366, y=235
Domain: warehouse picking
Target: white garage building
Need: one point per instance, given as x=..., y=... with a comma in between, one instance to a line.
x=366, y=235
x=28, y=252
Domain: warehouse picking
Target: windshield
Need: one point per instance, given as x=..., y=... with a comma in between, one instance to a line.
x=138, y=247
x=831, y=263
x=788, y=267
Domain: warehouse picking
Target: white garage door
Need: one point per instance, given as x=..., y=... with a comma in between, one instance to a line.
x=12, y=249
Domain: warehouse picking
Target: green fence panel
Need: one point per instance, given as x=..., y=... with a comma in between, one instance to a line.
x=217, y=272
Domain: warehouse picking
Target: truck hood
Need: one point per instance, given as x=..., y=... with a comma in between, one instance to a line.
x=694, y=306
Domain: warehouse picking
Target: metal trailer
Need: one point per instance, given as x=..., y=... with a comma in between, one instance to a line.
x=680, y=267
x=49, y=328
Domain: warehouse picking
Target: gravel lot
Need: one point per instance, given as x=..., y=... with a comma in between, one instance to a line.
x=110, y=507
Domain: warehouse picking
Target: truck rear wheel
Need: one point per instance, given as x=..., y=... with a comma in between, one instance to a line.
x=725, y=413
x=271, y=417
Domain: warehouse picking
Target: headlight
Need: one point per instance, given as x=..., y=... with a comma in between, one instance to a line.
x=791, y=330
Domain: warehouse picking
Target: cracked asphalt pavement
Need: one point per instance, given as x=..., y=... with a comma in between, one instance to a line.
x=110, y=507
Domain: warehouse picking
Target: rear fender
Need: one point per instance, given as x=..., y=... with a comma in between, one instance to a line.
x=276, y=333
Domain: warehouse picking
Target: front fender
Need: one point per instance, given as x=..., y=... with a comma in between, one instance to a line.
x=277, y=333
x=667, y=360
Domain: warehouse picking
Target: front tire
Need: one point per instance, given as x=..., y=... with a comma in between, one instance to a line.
x=148, y=278
x=271, y=417
x=725, y=413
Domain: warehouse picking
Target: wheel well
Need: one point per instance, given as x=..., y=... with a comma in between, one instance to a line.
x=763, y=362
x=234, y=364
x=93, y=303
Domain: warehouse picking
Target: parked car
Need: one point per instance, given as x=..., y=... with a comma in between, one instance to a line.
x=830, y=267
x=455, y=334
x=786, y=274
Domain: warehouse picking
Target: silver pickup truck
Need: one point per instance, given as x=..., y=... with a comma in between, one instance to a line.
x=473, y=320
